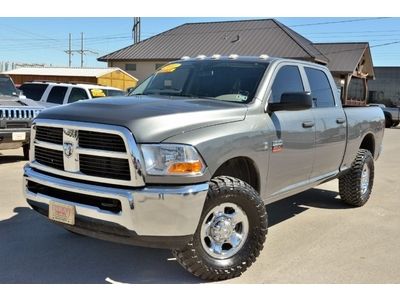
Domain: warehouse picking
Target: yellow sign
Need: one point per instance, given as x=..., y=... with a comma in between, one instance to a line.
x=97, y=93
x=169, y=68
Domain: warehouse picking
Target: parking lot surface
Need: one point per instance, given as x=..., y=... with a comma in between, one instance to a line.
x=313, y=238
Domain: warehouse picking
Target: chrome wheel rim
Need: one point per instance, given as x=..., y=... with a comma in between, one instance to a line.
x=224, y=230
x=365, y=179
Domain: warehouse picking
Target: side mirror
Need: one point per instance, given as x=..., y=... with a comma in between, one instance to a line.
x=292, y=101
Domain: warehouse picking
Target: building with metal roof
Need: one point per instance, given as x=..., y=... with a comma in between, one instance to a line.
x=350, y=63
x=249, y=37
x=114, y=77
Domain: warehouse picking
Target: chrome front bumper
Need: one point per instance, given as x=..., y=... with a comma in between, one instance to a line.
x=156, y=212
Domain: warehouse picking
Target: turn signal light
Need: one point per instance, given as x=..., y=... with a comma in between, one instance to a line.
x=186, y=167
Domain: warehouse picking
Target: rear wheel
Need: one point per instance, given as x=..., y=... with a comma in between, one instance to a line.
x=230, y=234
x=356, y=185
x=388, y=122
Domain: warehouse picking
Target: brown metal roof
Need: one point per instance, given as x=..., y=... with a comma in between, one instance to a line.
x=250, y=37
x=344, y=57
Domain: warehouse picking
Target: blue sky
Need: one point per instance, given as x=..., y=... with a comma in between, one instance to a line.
x=44, y=40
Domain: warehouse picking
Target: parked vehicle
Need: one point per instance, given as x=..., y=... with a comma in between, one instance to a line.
x=190, y=160
x=16, y=114
x=53, y=93
x=392, y=114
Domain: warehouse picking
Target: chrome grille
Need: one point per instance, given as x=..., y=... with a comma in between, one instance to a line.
x=83, y=151
x=18, y=113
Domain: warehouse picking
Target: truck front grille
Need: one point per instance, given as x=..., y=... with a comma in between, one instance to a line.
x=18, y=113
x=107, y=167
x=83, y=153
x=49, y=157
x=49, y=134
x=101, y=141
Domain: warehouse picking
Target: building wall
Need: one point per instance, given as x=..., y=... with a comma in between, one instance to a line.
x=143, y=68
x=386, y=86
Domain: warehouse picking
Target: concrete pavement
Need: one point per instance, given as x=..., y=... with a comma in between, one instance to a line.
x=313, y=238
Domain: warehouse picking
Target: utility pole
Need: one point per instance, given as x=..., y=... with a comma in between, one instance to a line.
x=136, y=30
x=82, y=51
x=70, y=51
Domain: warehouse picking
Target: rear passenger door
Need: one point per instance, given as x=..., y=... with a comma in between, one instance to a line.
x=330, y=122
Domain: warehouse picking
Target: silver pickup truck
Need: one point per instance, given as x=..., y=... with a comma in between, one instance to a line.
x=190, y=159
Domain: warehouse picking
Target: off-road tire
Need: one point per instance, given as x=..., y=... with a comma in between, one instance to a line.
x=25, y=149
x=350, y=183
x=196, y=260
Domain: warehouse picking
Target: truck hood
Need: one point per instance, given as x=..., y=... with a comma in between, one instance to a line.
x=10, y=101
x=151, y=119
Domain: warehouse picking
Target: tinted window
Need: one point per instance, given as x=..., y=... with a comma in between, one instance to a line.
x=321, y=90
x=33, y=91
x=288, y=80
x=57, y=94
x=356, y=89
x=77, y=94
x=7, y=87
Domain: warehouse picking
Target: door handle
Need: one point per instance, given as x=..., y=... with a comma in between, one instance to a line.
x=308, y=124
x=340, y=120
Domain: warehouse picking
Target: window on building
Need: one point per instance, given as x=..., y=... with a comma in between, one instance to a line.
x=130, y=67
x=288, y=80
x=77, y=94
x=33, y=91
x=158, y=66
x=321, y=90
x=57, y=94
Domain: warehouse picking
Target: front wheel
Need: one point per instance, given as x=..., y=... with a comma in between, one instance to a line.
x=356, y=185
x=25, y=149
x=230, y=234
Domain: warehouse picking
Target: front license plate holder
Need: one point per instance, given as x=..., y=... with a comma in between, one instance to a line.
x=62, y=213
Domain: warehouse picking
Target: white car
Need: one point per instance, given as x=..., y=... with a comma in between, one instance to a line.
x=53, y=93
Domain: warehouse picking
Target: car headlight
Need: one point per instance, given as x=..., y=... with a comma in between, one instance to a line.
x=172, y=159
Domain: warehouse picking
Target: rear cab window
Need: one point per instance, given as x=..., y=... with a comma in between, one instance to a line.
x=33, y=91
x=321, y=90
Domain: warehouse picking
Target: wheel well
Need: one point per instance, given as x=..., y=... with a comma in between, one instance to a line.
x=242, y=168
x=368, y=143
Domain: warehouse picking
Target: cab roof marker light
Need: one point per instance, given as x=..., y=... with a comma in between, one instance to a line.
x=201, y=56
x=264, y=56
x=233, y=56
x=185, y=57
x=216, y=56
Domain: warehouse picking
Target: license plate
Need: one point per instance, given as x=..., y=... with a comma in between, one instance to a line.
x=62, y=213
x=18, y=136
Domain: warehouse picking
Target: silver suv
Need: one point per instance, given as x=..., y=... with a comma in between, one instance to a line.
x=53, y=93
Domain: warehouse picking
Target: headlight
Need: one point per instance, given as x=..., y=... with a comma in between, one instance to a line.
x=172, y=159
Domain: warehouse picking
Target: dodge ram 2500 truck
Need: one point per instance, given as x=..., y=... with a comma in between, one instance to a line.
x=16, y=114
x=190, y=159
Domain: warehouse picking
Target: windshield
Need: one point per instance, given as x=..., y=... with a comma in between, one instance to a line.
x=235, y=81
x=7, y=87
